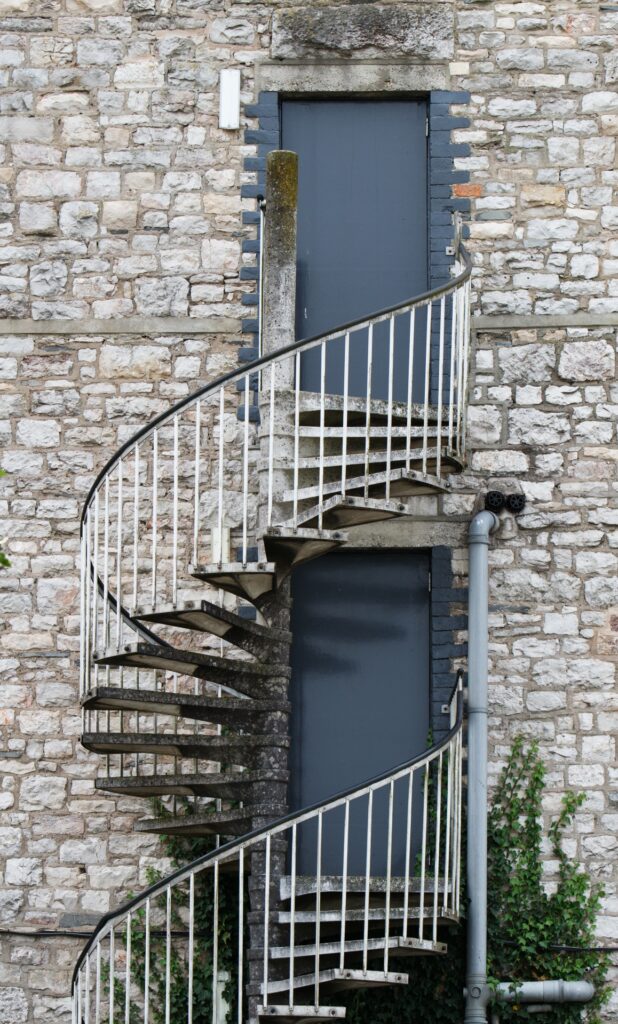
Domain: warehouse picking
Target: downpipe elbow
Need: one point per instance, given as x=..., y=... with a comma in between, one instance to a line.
x=482, y=526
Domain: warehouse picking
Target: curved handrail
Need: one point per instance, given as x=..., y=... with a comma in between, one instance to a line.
x=282, y=824
x=258, y=364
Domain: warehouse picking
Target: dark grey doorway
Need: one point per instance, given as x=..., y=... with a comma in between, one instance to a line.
x=362, y=227
x=360, y=690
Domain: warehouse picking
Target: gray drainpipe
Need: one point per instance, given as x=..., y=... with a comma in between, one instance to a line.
x=477, y=992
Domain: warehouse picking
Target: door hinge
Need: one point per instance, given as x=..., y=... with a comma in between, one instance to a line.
x=429, y=581
x=426, y=127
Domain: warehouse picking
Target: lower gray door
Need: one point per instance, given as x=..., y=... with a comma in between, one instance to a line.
x=359, y=692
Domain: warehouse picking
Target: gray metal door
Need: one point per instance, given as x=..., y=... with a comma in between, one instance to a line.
x=362, y=226
x=360, y=689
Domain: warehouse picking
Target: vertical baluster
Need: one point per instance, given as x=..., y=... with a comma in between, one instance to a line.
x=266, y=919
x=436, y=870
x=220, y=482
x=440, y=387
x=451, y=391
x=407, y=865
x=75, y=1003
x=112, y=972
x=296, y=433
x=175, y=516
x=426, y=390
x=147, y=963
x=410, y=396
x=79, y=997
x=346, y=386
x=135, y=525
x=87, y=992
x=389, y=864
x=97, y=987
x=190, y=952
x=457, y=887
x=292, y=913
x=119, y=558
x=368, y=406
x=155, y=496
x=449, y=814
x=95, y=583
x=127, y=976
x=460, y=334
x=367, y=879
x=82, y=611
x=89, y=591
x=344, y=883
x=168, y=953
x=215, y=946
x=318, y=911
x=241, y=932
x=322, y=427
x=421, y=909
x=196, y=479
x=389, y=407
x=271, y=444
x=245, y=485
x=466, y=360
x=106, y=568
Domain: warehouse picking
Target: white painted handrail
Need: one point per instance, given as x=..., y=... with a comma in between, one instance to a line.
x=283, y=944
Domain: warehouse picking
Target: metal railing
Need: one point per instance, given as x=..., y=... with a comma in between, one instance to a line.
x=353, y=411
x=338, y=890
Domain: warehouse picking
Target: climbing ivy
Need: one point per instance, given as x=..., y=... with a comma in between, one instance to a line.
x=528, y=919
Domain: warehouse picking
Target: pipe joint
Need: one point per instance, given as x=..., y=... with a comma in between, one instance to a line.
x=483, y=524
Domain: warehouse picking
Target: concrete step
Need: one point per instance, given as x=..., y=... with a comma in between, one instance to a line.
x=402, y=482
x=218, y=785
x=338, y=980
x=206, y=617
x=400, y=947
x=289, y=548
x=300, y=1014
x=380, y=456
x=234, y=674
x=341, y=511
x=229, y=749
x=377, y=430
x=251, y=581
x=233, y=822
x=330, y=920
x=238, y=712
x=309, y=403
x=332, y=885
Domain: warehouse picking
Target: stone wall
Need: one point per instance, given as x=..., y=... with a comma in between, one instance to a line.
x=121, y=197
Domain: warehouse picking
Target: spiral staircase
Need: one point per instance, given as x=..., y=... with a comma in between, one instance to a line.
x=192, y=530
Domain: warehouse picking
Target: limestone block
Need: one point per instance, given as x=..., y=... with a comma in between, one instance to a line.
x=602, y=592
x=517, y=301
x=48, y=184
x=220, y=255
x=13, y=1006
x=38, y=433
x=143, y=74
x=423, y=31
x=79, y=220
x=23, y=871
x=120, y=215
x=551, y=228
x=43, y=793
x=37, y=218
x=107, y=52
x=80, y=130
x=526, y=363
x=166, y=296
x=26, y=129
x=48, y=278
x=536, y=428
x=137, y=362
x=83, y=851
x=56, y=596
x=587, y=360
x=484, y=424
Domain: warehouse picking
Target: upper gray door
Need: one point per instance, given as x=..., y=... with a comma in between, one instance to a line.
x=362, y=224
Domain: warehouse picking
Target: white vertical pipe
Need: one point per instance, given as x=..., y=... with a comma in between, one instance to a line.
x=196, y=483
x=175, y=516
x=427, y=380
x=440, y=387
x=346, y=385
x=410, y=386
x=389, y=417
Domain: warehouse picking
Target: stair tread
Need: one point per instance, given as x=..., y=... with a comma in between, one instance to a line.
x=202, y=707
x=290, y=547
x=396, y=942
x=190, y=663
x=334, y=975
x=224, y=785
x=310, y=401
x=230, y=748
x=306, y=885
x=236, y=821
x=371, y=480
x=300, y=1014
x=350, y=510
x=396, y=455
x=208, y=617
x=353, y=916
x=249, y=580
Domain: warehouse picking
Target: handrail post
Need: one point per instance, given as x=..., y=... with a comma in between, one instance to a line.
x=477, y=993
